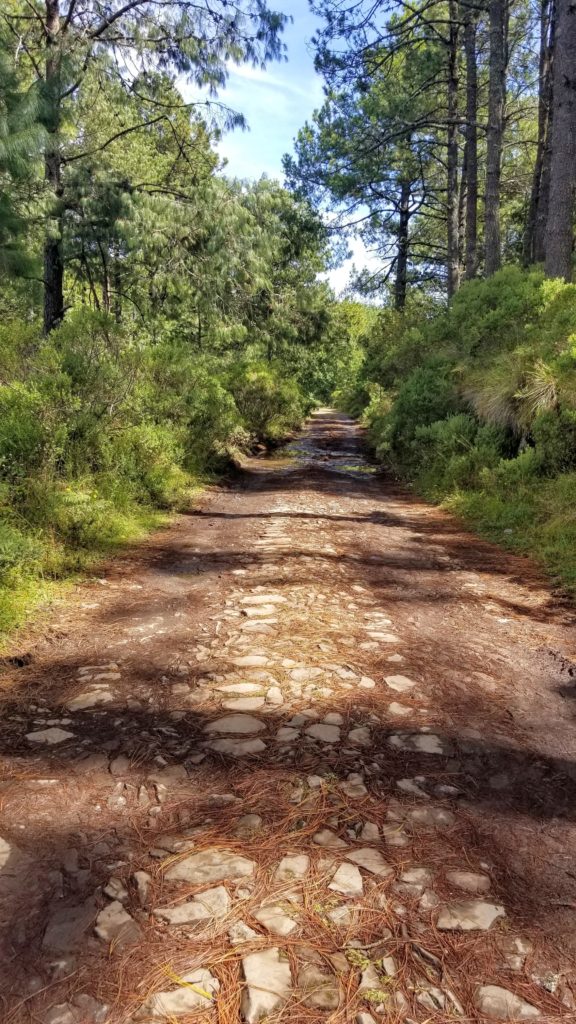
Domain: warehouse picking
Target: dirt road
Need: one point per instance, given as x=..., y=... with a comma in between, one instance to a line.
x=309, y=754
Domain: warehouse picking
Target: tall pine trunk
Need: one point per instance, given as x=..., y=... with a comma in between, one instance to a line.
x=400, y=282
x=471, y=208
x=53, y=258
x=452, y=213
x=534, y=248
x=560, y=225
x=496, y=100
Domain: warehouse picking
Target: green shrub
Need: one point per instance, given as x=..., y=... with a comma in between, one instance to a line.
x=555, y=438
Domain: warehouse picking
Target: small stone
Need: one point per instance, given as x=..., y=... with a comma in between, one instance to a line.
x=324, y=733
x=470, y=881
x=274, y=696
x=196, y=989
x=365, y=1018
x=49, y=737
x=237, y=748
x=274, y=919
x=293, y=866
x=287, y=734
x=428, y=901
x=431, y=817
x=116, y=890
x=315, y=781
x=416, y=878
x=251, y=661
x=370, y=832
x=212, y=903
x=268, y=984
x=500, y=1004
x=371, y=860
x=321, y=991
x=210, y=865
x=515, y=950
x=90, y=699
x=399, y=683
x=360, y=736
x=240, y=932
x=347, y=880
x=247, y=824
x=333, y=718
x=115, y=926
x=366, y=683
x=257, y=599
x=244, y=703
x=370, y=980
x=340, y=916
x=329, y=840
x=469, y=915
x=240, y=689
x=142, y=881
x=240, y=724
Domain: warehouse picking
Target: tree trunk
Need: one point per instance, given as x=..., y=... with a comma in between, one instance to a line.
x=471, y=216
x=53, y=259
x=496, y=100
x=453, y=253
x=560, y=228
x=403, y=245
x=538, y=205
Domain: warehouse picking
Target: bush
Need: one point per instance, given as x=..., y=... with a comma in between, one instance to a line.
x=555, y=439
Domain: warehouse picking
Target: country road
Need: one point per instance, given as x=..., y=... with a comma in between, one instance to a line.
x=308, y=754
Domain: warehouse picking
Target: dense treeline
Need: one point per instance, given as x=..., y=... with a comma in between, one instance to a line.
x=448, y=135
x=156, y=316
x=448, y=139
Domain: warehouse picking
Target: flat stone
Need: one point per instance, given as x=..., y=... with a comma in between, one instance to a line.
x=500, y=1004
x=399, y=710
x=237, y=724
x=320, y=990
x=114, y=925
x=469, y=881
x=237, y=748
x=366, y=683
x=196, y=990
x=268, y=984
x=370, y=980
x=293, y=866
x=371, y=860
x=469, y=915
x=240, y=932
x=63, y=1013
x=205, y=905
x=347, y=880
x=324, y=733
x=257, y=599
x=333, y=718
x=287, y=735
x=259, y=611
x=251, y=661
x=370, y=832
x=142, y=880
x=210, y=865
x=49, y=737
x=431, y=817
x=244, y=703
x=412, y=787
x=274, y=696
x=360, y=736
x=248, y=824
x=90, y=699
x=116, y=890
x=241, y=689
x=365, y=1018
x=275, y=919
x=425, y=743
x=329, y=840
x=305, y=674
x=399, y=683
x=6, y=852
x=67, y=927
x=417, y=877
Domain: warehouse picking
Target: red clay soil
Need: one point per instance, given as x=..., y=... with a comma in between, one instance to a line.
x=363, y=583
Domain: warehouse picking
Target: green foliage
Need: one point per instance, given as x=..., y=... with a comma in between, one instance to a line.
x=488, y=425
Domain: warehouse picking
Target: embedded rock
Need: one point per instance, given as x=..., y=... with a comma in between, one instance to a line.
x=268, y=984
x=210, y=865
x=469, y=915
x=500, y=1004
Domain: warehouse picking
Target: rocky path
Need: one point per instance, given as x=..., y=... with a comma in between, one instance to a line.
x=308, y=755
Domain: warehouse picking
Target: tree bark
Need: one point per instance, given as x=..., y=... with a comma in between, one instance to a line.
x=453, y=235
x=496, y=100
x=53, y=258
x=560, y=227
x=402, y=247
x=534, y=249
x=471, y=208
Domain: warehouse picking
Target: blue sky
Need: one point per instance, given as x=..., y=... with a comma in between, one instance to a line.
x=276, y=102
